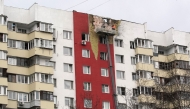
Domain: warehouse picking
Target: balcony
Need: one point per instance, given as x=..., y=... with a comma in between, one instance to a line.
x=19, y=87
x=102, y=30
x=146, y=99
x=3, y=81
x=3, y=63
x=177, y=56
x=146, y=82
x=3, y=99
x=18, y=53
x=145, y=66
x=18, y=70
x=42, y=35
x=144, y=51
x=3, y=46
x=41, y=52
x=11, y=104
x=28, y=105
x=18, y=36
x=41, y=68
x=171, y=57
x=3, y=29
x=41, y=86
x=46, y=104
x=161, y=73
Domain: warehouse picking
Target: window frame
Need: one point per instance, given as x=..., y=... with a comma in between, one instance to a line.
x=105, y=88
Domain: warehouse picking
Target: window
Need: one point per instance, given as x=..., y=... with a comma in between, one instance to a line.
x=68, y=84
x=106, y=105
x=67, y=34
x=55, y=82
x=3, y=20
x=18, y=44
x=12, y=78
x=35, y=77
x=182, y=49
x=161, y=52
x=120, y=74
x=144, y=59
x=34, y=95
x=87, y=86
x=156, y=65
x=144, y=90
x=133, y=60
x=3, y=55
x=3, y=37
x=54, y=48
x=55, y=99
x=87, y=103
x=86, y=53
x=135, y=76
x=144, y=43
x=68, y=67
x=17, y=61
x=85, y=37
x=3, y=90
x=135, y=92
x=41, y=43
x=118, y=43
x=46, y=27
x=45, y=95
x=119, y=58
x=155, y=49
x=104, y=72
x=69, y=101
x=46, y=78
x=145, y=74
x=86, y=70
x=22, y=97
x=11, y=26
x=12, y=95
x=103, y=56
x=102, y=39
x=121, y=90
x=21, y=30
x=132, y=45
x=105, y=88
x=67, y=51
x=22, y=79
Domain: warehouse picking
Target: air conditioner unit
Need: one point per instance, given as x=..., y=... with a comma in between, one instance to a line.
x=21, y=103
x=54, y=38
x=55, y=105
x=83, y=42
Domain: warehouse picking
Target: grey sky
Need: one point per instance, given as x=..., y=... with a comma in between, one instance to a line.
x=160, y=15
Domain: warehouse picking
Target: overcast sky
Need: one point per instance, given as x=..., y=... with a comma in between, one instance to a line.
x=160, y=15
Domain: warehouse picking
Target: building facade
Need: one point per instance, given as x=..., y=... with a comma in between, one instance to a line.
x=55, y=59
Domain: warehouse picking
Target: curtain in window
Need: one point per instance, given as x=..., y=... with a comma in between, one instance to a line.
x=66, y=69
x=68, y=85
x=106, y=105
x=118, y=59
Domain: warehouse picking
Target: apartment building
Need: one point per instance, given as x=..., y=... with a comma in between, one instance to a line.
x=55, y=59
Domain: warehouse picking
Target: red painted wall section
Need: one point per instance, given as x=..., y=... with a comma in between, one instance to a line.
x=81, y=25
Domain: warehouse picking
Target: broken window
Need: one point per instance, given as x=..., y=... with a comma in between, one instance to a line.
x=3, y=37
x=85, y=37
x=121, y=90
x=102, y=39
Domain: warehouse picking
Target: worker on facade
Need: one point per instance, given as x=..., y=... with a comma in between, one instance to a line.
x=113, y=27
